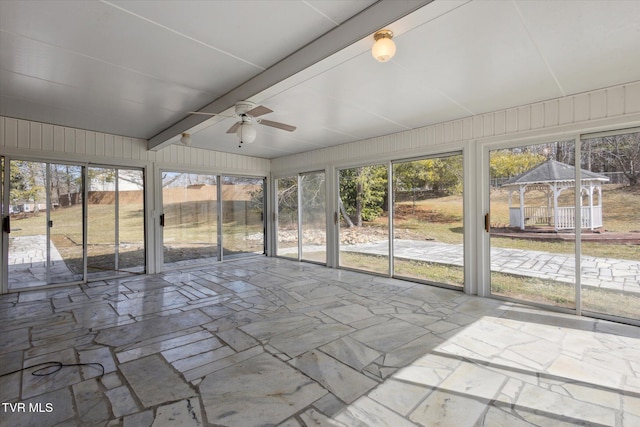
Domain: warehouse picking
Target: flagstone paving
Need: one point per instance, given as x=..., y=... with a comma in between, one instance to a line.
x=267, y=341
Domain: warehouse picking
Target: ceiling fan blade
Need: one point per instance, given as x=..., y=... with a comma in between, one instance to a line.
x=210, y=114
x=260, y=110
x=278, y=125
x=233, y=128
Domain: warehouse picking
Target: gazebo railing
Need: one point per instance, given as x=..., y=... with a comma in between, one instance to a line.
x=538, y=215
x=543, y=215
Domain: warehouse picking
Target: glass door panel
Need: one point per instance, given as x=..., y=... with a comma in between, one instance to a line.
x=101, y=226
x=131, y=249
x=610, y=239
x=65, y=211
x=428, y=229
x=287, y=227
x=314, y=226
x=190, y=210
x=115, y=229
x=4, y=221
x=242, y=213
x=46, y=239
x=364, y=225
x=532, y=211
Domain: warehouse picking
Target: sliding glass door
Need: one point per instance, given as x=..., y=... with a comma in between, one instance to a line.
x=45, y=243
x=610, y=212
x=364, y=223
x=531, y=223
x=313, y=217
x=242, y=215
x=190, y=218
x=287, y=225
x=428, y=243
x=115, y=221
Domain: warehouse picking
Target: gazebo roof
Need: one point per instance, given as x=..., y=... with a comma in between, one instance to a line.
x=553, y=171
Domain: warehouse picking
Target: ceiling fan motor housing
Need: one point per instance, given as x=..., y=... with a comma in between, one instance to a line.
x=244, y=106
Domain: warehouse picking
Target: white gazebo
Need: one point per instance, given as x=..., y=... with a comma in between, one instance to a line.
x=552, y=178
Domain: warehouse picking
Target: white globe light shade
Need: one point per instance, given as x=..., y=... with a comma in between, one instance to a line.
x=246, y=133
x=186, y=139
x=383, y=49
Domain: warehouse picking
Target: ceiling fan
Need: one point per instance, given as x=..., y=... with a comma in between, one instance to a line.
x=247, y=113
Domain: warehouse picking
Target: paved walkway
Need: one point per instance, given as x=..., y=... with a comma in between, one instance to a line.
x=606, y=273
x=26, y=263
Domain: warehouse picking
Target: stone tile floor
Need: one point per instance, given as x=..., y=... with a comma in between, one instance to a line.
x=265, y=341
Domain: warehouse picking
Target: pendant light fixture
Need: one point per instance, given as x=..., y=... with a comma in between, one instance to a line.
x=246, y=133
x=384, y=48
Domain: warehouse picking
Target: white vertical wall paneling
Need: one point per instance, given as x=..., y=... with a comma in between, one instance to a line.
x=118, y=149
x=127, y=151
x=47, y=137
x=23, y=134
x=90, y=144
x=581, y=107
x=488, y=125
x=476, y=130
x=467, y=128
x=500, y=123
x=632, y=98
x=537, y=116
x=81, y=141
x=598, y=105
x=109, y=145
x=35, y=136
x=615, y=101
x=2, y=127
x=99, y=144
x=565, y=110
x=58, y=139
x=439, y=134
x=11, y=133
x=551, y=113
x=512, y=120
x=458, y=129
x=524, y=118
x=612, y=102
x=69, y=140
x=447, y=133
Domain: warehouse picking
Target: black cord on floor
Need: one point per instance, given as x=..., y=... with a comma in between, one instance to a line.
x=52, y=368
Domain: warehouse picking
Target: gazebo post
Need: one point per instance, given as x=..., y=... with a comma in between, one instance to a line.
x=591, y=206
x=554, y=187
x=522, y=189
x=548, y=194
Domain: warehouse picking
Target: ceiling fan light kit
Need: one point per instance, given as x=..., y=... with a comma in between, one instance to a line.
x=186, y=139
x=246, y=132
x=384, y=48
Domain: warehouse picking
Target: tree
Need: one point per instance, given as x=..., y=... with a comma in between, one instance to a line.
x=27, y=182
x=363, y=192
x=410, y=176
x=507, y=163
x=288, y=200
x=615, y=153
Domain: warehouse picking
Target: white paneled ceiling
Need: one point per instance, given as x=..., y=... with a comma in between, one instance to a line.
x=136, y=68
